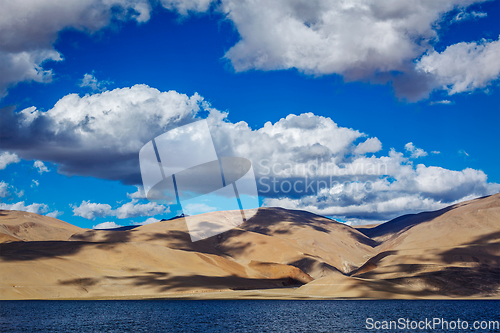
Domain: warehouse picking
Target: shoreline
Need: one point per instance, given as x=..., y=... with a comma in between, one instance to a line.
x=257, y=294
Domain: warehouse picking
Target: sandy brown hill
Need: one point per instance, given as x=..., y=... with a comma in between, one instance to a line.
x=449, y=253
x=447, y=218
x=314, y=244
x=453, y=251
x=276, y=248
x=24, y=226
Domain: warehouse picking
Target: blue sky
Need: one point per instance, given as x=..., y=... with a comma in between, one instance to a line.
x=191, y=50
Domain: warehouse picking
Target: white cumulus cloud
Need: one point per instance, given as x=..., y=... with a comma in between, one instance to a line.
x=40, y=166
x=8, y=191
x=139, y=194
x=106, y=131
x=4, y=189
x=106, y=225
x=358, y=39
x=371, y=145
x=184, y=7
x=54, y=214
x=90, y=81
x=464, y=16
x=30, y=28
x=135, y=209
x=32, y=208
x=91, y=210
x=414, y=151
x=148, y=221
x=463, y=67
x=7, y=158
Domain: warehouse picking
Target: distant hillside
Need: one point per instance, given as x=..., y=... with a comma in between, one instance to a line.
x=24, y=226
x=453, y=252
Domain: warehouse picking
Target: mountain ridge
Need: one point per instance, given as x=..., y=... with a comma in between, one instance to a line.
x=279, y=253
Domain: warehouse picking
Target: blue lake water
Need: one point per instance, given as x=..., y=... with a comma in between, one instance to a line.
x=240, y=316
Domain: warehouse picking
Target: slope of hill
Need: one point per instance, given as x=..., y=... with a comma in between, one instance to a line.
x=278, y=253
x=24, y=226
x=453, y=251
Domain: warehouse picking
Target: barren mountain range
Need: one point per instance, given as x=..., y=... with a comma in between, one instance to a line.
x=450, y=253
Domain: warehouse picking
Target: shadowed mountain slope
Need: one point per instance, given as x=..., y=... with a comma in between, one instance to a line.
x=453, y=252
